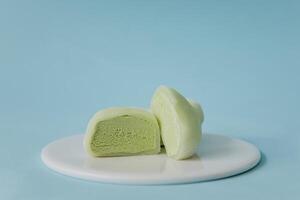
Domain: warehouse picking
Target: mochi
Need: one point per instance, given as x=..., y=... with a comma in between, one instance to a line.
x=179, y=120
x=121, y=132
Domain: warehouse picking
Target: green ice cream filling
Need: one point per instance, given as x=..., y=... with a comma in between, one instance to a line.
x=122, y=135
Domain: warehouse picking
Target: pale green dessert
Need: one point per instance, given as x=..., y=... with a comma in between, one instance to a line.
x=121, y=132
x=180, y=122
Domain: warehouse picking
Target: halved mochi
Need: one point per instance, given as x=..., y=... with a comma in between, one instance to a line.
x=121, y=132
x=180, y=122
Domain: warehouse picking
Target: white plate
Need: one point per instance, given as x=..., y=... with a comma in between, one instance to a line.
x=218, y=157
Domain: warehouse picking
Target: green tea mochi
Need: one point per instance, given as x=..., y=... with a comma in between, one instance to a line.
x=180, y=122
x=122, y=131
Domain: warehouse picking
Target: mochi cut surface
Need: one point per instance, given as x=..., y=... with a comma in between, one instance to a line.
x=121, y=132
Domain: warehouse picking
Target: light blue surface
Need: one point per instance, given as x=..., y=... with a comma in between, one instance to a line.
x=60, y=61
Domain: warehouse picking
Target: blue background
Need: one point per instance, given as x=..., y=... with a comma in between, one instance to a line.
x=61, y=61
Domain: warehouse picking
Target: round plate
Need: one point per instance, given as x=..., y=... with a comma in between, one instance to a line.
x=218, y=157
